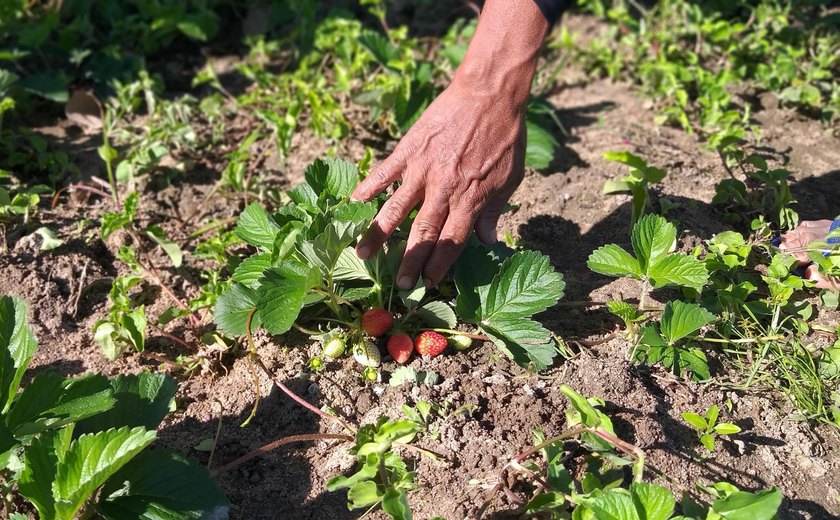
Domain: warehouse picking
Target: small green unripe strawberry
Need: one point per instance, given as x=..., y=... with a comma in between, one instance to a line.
x=335, y=347
x=315, y=364
x=366, y=353
x=370, y=374
x=461, y=342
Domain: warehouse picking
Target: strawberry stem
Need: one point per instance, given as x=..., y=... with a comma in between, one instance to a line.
x=480, y=337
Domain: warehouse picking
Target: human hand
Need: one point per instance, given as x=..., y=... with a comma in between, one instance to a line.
x=796, y=242
x=465, y=156
x=462, y=161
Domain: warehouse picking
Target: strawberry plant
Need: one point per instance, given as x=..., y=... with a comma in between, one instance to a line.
x=306, y=271
x=708, y=427
x=653, y=238
x=74, y=447
x=602, y=491
x=382, y=476
x=672, y=343
x=637, y=182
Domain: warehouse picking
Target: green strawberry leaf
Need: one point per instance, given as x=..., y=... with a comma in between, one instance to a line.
x=159, y=485
x=232, y=309
x=395, y=503
x=17, y=347
x=679, y=270
x=612, y=260
x=281, y=294
x=332, y=177
x=741, y=505
x=680, y=320
x=325, y=250
x=50, y=401
x=523, y=340
x=141, y=400
x=437, y=314
x=256, y=227
x=40, y=466
x=652, y=237
x=90, y=461
x=652, y=502
x=349, y=266
x=525, y=285
x=625, y=311
x=474, y=271
x=250, y=270
x=378, y=46
x=540, y=146
x=614, y=505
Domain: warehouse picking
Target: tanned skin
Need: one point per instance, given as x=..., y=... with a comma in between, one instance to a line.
x=465, y=156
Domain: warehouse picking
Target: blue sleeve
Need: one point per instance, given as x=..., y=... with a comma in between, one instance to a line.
x=552, y=9
x=834, y=225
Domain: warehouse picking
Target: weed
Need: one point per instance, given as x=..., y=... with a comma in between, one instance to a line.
x=708, y=427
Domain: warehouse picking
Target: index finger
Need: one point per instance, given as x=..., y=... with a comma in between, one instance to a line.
x=382, y=176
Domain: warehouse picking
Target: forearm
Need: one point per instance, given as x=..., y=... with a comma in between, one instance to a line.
x=502, y=56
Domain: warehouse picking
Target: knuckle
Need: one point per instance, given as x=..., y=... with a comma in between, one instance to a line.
x=393, y=212
x=381, y=175
x=426, y=230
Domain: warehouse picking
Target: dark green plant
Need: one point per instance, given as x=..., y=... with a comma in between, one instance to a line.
x=74, y=447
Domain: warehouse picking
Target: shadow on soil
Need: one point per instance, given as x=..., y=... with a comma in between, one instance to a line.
x=272, y=486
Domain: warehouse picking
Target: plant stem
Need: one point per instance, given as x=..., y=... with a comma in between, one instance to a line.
x=309, y=332
x=106, y=143
x=256, y=359
x=480, y=337
x=342, y=322
x=743, y=341
x=285, y=440
x=218, y=434
x=252, y=355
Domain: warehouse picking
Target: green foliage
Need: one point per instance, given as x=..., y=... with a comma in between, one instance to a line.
x=602, y=492
x=708, y=427
x=653, y=238
x=100, y=41
x=382, y=476
x=688, y=56
x=74, y=445
x=672, y=342
x=125, y=326
x=500, y=296
x=305, y=269
x=763, y=192
x=637, y=182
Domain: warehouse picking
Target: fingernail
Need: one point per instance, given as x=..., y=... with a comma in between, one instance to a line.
x=427, y=283
x=353, y=198
x=405, y=283
x=363, y=252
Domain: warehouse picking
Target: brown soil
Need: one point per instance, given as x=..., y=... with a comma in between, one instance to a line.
x=561, y=213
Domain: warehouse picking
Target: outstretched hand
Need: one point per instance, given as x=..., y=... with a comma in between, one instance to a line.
x=465, y=156
x=460, y=162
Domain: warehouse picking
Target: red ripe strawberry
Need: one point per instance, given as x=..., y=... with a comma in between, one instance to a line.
x=400, y=347
x=377, y=321
x=430, y=343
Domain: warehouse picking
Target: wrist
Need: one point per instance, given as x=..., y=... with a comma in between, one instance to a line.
x=502, y=56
